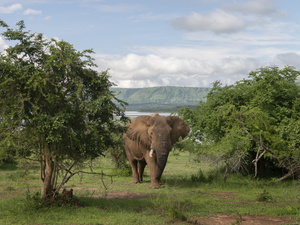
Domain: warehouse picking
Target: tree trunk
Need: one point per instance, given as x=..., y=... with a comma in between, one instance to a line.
x=115, y=158
x=47, y=186
x=42, y=160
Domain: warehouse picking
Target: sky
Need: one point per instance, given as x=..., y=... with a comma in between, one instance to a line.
x=189, y=43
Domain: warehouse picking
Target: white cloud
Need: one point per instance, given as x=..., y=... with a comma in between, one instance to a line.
x=232, y=17
x=135, y=70
x=256, y=7
x=224, y=57
x=237, y=66
x=47, y=17
x=275, y=34
x=287, y=59
x=218, y=21
x=139, y=67
x=10, y=9
x=32, y=12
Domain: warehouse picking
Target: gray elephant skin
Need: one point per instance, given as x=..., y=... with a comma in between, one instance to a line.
x=148, y=141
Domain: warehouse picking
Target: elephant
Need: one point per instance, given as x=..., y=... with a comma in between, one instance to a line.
x=148, y=141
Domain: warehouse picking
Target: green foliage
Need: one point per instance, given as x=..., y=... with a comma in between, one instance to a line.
x=54, y=107
x=185, y=144
x=264, y=196
x=117, y=152
x=200, y=177
x=254, y=119
x=124, y=170
x=34, y=202
x=172, y=206
x=7, y=165
x=214, y=174
x=161, y=99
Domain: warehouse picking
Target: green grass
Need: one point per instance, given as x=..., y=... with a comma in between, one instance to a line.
x=185, y=196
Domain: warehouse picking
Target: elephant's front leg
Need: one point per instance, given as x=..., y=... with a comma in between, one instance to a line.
x=151, y=162
x=129, y=145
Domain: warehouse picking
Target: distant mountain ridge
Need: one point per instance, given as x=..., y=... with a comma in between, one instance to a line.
x=161, y=99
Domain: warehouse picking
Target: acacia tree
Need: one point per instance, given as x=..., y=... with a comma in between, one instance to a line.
x=254, y=119
x=54, y=106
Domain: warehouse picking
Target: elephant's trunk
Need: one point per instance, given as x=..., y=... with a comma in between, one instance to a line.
x=162, y=158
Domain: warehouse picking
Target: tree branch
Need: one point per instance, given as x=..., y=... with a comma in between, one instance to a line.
x=290, y=173
x=257, y=158
x=68, y=171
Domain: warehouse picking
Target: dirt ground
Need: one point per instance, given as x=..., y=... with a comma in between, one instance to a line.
x=122, y=195
x=222, y=219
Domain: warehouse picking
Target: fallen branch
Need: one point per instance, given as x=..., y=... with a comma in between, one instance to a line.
x=289, y=174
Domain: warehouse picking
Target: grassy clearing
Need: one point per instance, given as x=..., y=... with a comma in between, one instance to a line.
x=186, y=196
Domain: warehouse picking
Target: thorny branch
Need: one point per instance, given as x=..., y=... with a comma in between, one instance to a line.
x=292, y=169
x=71, y=174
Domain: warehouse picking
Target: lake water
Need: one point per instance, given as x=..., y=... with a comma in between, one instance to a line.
x=133, y=114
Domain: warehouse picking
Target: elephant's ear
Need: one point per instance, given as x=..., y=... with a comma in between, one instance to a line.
x=137, y=130
x=179, y=128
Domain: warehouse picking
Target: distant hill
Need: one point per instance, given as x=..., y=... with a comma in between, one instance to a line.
x=161, y=99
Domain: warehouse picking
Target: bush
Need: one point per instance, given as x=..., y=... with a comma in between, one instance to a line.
x=200, y=177
x=34, y=202
x=172, y=206
x=253, y=123
x=264, y=196
x=124, y=170
x=66, y=198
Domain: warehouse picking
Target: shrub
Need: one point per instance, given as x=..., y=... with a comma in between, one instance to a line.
x=172, y=206
x=264, y=196
x=124, y=170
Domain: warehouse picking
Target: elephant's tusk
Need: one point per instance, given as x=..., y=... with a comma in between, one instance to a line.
x=151, y=153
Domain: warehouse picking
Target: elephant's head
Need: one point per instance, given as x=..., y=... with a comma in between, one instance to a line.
x=158, y=134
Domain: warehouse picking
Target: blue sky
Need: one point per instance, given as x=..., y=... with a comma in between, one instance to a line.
x=188, y=43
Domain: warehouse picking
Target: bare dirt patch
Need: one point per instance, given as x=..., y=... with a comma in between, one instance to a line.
x=222, y=219
x=115, y=195
x=122, y=195
x=224, y=195
x=8, y=195
x=84, y=188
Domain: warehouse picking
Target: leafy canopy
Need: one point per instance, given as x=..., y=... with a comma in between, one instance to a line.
x=254, y=118
x=52, y=97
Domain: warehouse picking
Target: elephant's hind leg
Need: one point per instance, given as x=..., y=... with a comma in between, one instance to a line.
x=142, y=164
x=134, y=168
